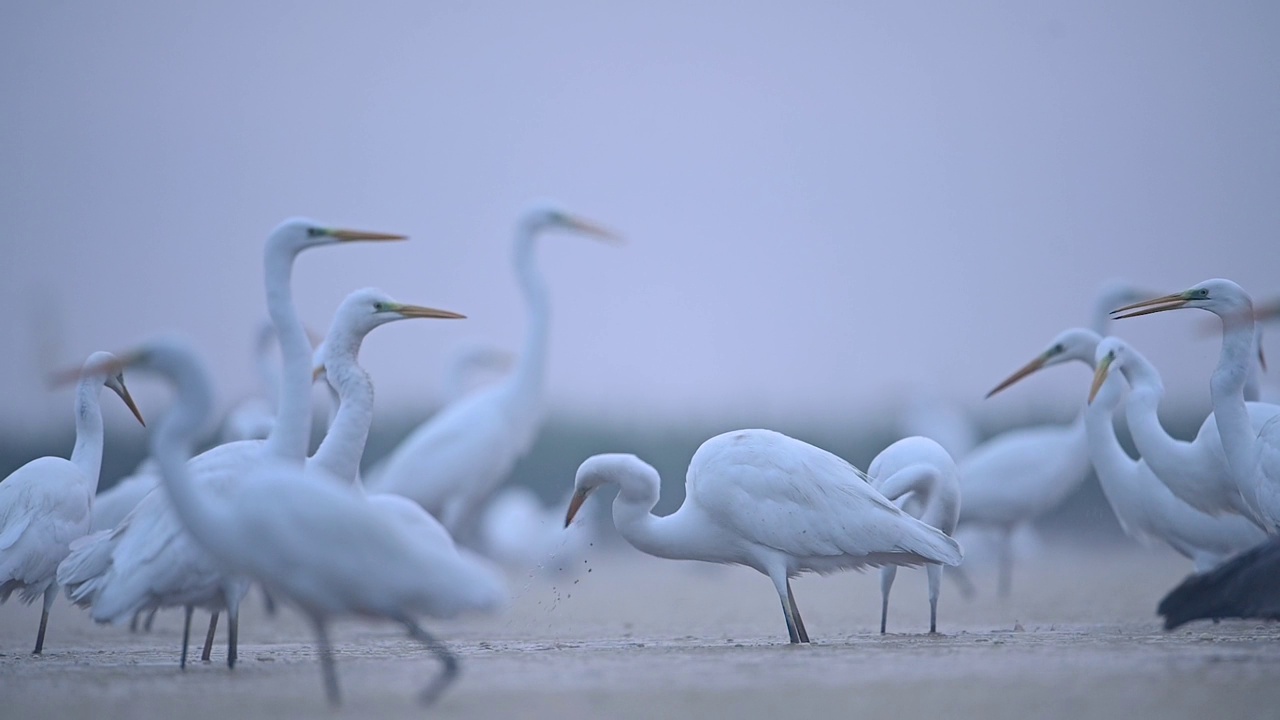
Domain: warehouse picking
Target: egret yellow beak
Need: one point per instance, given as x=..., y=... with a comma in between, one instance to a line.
x=588, y=227
x=123, y=392
x=356, y=235
x=417, y=311
x=1154, y=305
x=575, y=503
x=1100, y=375
x=1022, y=372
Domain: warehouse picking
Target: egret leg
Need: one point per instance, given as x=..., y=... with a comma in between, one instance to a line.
x=1006, y=562
x=186, y=635
x=268, y=602
x=450, y=672
x=208, y=638
x=887, y=574
x=133, y=624
x=151, y=618
x=49, y=594
x=795, y=612
x=783, y=587
x=935, y=584
x=233, y=633
x=327, y=668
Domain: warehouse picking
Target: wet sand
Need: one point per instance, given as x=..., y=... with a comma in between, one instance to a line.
x=639, y=637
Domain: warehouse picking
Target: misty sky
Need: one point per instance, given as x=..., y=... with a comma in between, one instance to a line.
x=826, y=203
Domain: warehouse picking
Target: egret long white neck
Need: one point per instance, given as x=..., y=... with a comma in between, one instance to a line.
x=291, y=434
x=1166, y=455
x=171, y=446
x=87, y=454
x=340, y=452
x=1226, y=388
x=633, y=517
x=526, y=379
x=1110, y=461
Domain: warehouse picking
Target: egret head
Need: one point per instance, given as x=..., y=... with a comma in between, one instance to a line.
x=361, y=312
x=1073, y=344
x=1112, y=354
x=297, y=234
x=621, y=469
x=1220, y=297
x=108, y=367
x=545, y=215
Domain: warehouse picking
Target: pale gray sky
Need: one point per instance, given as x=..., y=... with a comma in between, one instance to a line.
x=827, y=203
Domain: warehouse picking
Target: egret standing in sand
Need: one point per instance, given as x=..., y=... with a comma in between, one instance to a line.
x=768, y=501
x=46, y=504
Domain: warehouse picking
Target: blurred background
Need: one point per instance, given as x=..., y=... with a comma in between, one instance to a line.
x=832, y=209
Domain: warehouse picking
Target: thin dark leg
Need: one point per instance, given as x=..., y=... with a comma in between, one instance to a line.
x=49, y=594
x=186, y=636
x=887, y=574
x=327, y=669
x=151, y=618
x=795, y=612
x=450, y=672
x=133, y=624
x=233, y=636
x=208, y=638
x=935, y=586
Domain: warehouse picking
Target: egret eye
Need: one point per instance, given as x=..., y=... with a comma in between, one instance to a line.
x=315, y=232
x=1203, y=292
x=379, y=307
x=1058, y=349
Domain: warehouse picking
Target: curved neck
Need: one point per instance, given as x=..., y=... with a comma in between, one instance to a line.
x=340, y=452
x=1165, y=454
x=1226, y=388
x=633, y=517
x=1110, y=461
x=171, y=447
x=291, y=434
x=526, y=380
x=87, y=454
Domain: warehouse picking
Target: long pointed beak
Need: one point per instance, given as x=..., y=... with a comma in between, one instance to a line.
x=1024, y=371
x=355, y=235
x=128, y=401
x=1100, y=376
x=1154, y=305
x=317, y=372
x=417, y=311
x=599, y=232
x=575, y=503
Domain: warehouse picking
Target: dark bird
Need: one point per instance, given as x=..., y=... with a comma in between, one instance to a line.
x=1246, y=586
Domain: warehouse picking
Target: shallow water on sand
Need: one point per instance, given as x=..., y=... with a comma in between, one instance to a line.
x=631, y=636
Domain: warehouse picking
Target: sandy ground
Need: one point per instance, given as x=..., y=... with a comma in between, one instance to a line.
x=631, y=636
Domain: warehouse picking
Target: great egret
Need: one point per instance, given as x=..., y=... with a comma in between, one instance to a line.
x=452, y=463
x=46, y=504
x=149, y=559
x=1195, y=471
x=1252, y=449
x=1146, y=508
x=1246, y=586
x=1018, y=475
x=317, y=544
x=919, y=474
x=768, y=501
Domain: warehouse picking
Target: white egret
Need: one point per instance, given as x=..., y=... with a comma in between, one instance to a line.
x=46, y=504
x=453, y=462
x=1018, y=475
x=1146, y=508
x=1246, y=586
x=1195, y=471
x=1252, y=454
x=768, y=501
x=318, y=545
x=919, y=475
x=149, y=559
